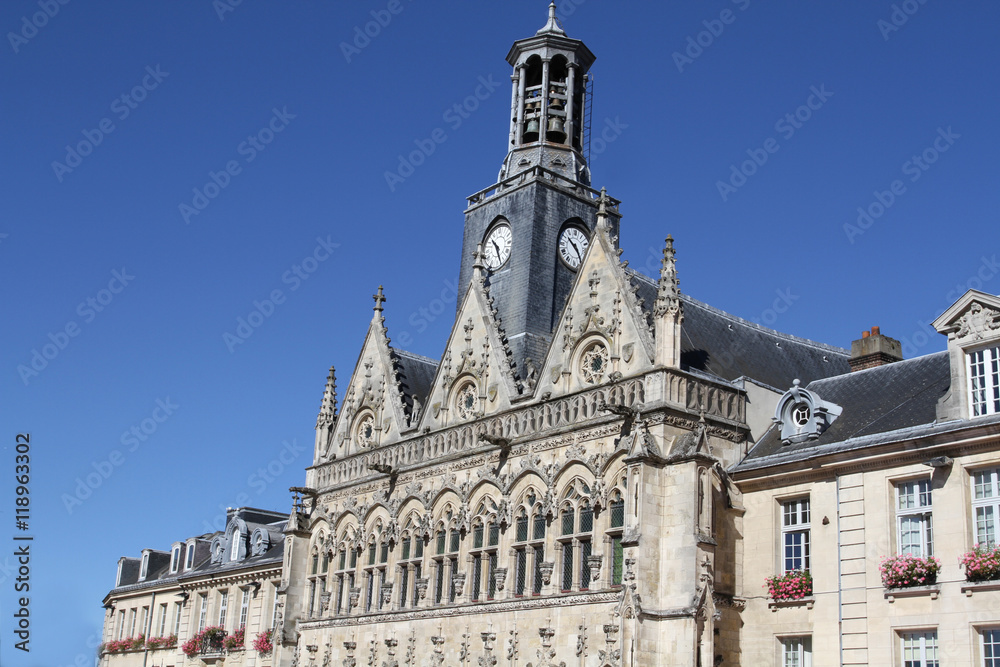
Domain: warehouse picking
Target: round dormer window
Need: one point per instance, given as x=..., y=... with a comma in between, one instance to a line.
x=800, y=415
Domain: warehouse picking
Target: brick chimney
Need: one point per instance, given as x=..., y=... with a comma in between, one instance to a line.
x=873, y=349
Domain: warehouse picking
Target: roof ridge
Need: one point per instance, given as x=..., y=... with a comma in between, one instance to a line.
x=687, y=298
x=923, y=357
x=414, y=356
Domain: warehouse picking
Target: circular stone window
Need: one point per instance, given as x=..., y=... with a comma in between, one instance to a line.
x=800, y=415
x=595, y=363
x=466, y=402
x=365, y=435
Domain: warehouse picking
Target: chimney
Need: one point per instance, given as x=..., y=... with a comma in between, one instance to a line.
x=873, y=349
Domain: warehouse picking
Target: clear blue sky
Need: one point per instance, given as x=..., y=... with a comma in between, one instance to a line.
x=207, y=82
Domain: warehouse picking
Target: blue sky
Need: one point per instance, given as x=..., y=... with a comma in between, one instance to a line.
x=127, y=296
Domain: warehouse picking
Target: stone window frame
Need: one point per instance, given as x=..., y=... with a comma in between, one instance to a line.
x=583, y=348
x=614, y=534
x=345, y=558
x=981, y=631
x=410, y=563
x=577, y=543
x=531, y=509
x=369, y=442
x=462, y=414
x=484, y=548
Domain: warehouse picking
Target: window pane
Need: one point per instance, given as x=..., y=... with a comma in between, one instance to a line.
x=986, y=525
x=494, y=535
x=522, y=528
x=567, y=522
x=477, y=537
x=617, y=561
x=477, y=575
x=617, y=513
x=491, y=586
x=567, y=566
x=586, y=519
x=991, y=647
x=584, y=566
x=454, y=540
x=520, y=574
x=539, y=532
x=537, y=556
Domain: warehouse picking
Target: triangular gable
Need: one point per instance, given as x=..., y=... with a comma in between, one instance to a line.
x=603, y=332
x=975, y=314
x=476, y=369
x=373, y=413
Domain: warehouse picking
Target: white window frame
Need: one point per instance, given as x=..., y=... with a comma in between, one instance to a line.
x=131, y=622
x=234, y=553
x=914, y=502
x=203, y=614
x=924, y=643
x=118, y=577
x=982, y=368
x=144, y=567
x=985, y=505
x=163, y=619
x=244, y=608
x=175, y=557
x=177, y=619
x=189, y=557
x=223, y=607
x=145, y=620
x=795, y=651
x=796, y=533
x=992, y=660
x=121, y=623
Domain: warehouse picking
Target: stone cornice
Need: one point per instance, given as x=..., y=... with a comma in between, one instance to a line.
x=517, y=604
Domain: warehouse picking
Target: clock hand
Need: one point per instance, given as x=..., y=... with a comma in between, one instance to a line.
x=498, y=249
x=577, y=250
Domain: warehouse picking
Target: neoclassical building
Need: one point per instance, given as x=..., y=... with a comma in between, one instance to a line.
x=600, y=470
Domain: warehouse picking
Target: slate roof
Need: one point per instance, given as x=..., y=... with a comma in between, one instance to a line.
x=730, y=347
x=160, y=575
x=416, y=375
x=879, y=404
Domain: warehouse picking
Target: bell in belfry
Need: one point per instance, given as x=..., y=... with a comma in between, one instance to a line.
x=531, y=130
x=556, y=131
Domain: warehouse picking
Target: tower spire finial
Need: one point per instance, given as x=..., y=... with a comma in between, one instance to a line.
x=668, y=294
x=552, y=25
x=379, y=299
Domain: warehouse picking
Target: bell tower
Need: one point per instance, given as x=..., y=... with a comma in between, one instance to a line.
x=534, y=225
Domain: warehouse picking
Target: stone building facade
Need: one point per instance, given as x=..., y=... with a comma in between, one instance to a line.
x=602, y=471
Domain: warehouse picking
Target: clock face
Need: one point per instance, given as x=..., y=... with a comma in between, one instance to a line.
x=496, y=247
x=572, y=246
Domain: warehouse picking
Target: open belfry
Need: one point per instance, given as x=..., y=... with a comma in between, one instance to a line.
x=601, y=471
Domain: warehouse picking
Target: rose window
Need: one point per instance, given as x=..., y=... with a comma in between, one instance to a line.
x=595, y=363
x=366, y=432
x=466, y=403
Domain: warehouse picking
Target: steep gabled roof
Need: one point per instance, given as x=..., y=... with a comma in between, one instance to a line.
x=729, y=347
x=882, y=400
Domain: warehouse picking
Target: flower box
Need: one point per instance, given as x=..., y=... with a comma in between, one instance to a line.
x=982, y=563
x=794, y=585
x=262, y=644
x=906, y=571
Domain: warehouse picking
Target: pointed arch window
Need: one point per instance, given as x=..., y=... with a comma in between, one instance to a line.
x=485, y=551
x=616, y=528
x=575, y=541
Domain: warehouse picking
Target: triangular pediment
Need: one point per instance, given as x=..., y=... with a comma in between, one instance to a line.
x=476, y=373
x=373, y=413
x=603, y=333
x=975, y=316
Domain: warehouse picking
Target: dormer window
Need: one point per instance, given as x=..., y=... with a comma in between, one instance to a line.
x=802, y=415
x=175, y=558
x=118, y=576
x=189, y=560
x=984, y=381
x=144, y=567
x=234, y=553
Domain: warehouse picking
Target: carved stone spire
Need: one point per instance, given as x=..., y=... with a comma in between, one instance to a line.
x=668, y=294
x=668, y=313
x=379, y=300
x=602, y=210
x=478, y=268
x=328, y=408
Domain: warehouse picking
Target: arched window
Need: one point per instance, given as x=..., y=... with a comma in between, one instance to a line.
x=529, y=545
x=447, y=539
x=616, y=526
x=410, y=562
x=577, y=526
x=485, y=544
